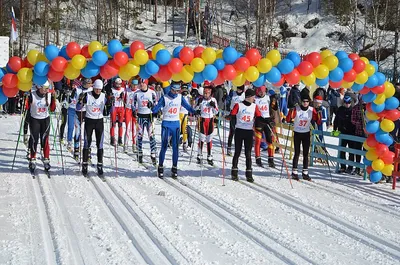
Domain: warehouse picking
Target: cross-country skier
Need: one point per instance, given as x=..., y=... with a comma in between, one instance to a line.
x=118, y=111
x=130, y=115
x=233, y=98
x=95, y=102
x=206, y=107
x=245, y=112
x=143, y=100
x=170, y=126
x=39, y=103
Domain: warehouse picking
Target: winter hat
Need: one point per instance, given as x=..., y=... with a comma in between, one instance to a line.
x=305, y=94
x=240, y=88
x=250, y=93
x=98, y=84
x=318, y=99
x=260, y=89
x=176, y=86
x=347, y=99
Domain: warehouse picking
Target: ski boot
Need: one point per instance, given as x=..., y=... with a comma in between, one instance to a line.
x=160, y=172
x=295, y=176
x=100, y=169
x=228, y=151
x=199, y=159
x=125, y=149
x=258, y=162
x=134, y=150
x=153, y=159
x=69, y=146
x=185, y=147
x=140, y=158
x=112, y=140
x=76, y=154
x=46, y=164
x=349, y=171
x=234, y=174
x=32, y=164
x=305, y=175
x=249, y=175
x=120, y=141
x=174, y=172
x=84, y=168
x=26, y=139
x=210, y=160
x=271, y=162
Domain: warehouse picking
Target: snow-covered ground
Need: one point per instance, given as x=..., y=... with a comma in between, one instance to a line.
x=136, y=218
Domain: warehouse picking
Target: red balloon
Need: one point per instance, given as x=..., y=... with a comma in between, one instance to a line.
x=354, y=56
x=293, y=77
x=104, y=74
x=381, y=149
x=10, y=92
x=85, y=51
x=253, y=55
x=175, y=65
x=54, y=75
x=242, y=64
x=280, y=82
x=15, y=63
x=59, y=64
x=382, y=114
x=110, y=68
x=121, y=58
x=136, y=45
x=369, y=169
x=73, y=49
x=26, y=63
x=368, y=107
x=198, y=51
x=150, y=54
x=365, y=90
x=186, y=55
x=229, y=72
x=378, y=89
x=164, y=74
x=314, y=58
x=358, y=66
x=350, y=76
x=220, y=79
x=10, y=80
x=371, y=141
x=392, y=115
x=305, y=68
x=335, y=84
x=388, y=157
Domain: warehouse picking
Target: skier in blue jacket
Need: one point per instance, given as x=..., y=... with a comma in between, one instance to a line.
x=170, y=126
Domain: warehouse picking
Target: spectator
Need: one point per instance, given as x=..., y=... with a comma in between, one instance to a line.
x=357, y=119
x=12, y=104
x=334, y=103
x=354, y=99
x=342, y=91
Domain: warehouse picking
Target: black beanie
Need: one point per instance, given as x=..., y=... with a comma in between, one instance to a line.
x=249, y=93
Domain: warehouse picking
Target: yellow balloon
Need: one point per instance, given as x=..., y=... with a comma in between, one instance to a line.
x=25, y=75
x=365, y=59
x=387, y=170
x=370, y=69
x=325, y=53
x=362, y=78
x=312, y=88
x=371, y=155
x=187, y=73
x=321, y=71
x=176, y=77
x=239, y=80
x=105, y=49
x=389, y=89
x=264, y=65
x=42, y=58
x=71, y=72
x=274, y=56
x=366, y=146
x=380, y=99
x=371, y=116
x=130, y=70
x=197, y=65
x=141, y=57
x=123, y=74
x=78, y=61
x=387, y=125
x=346, y=84
x=25, y=86
x=156, y=48
x=309, y=80
x=219, y=53
x=33, y=56
x=94, y=46
x=252, y=73
x=331, y=61
x=378, y=164
x=209, y=55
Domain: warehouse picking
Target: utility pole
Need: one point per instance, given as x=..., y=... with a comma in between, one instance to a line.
x=396, y=45
x=21, y=26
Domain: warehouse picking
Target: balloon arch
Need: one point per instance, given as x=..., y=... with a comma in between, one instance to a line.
x=206, y=63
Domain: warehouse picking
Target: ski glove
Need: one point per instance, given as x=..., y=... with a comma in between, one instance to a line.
x=197, y=113
x=212, y=104
x=335, y=133
x=150, y=104
x=81, y=96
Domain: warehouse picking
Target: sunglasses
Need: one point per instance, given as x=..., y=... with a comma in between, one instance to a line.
x=306, y=101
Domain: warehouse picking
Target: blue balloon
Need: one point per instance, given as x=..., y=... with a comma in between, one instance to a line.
x=369, y=97
x=346, y=64
x=219, y=64
x=341, y=55
x=367, y=162
x=151, y=67
x=375, y=176
x=142, y=73
x=322, y=82
x=127, y=51
x=382, y=136
x=3, y=98
x=163, y=57
x=285, y=66
x=63, y=53
x=51, y=51
x=230, y=55
x=377, y=108
x=41, y=68
x=1, y=75
x=372, y=81
x=391, y=103
x=239, y=54
x=210, y=73
x=372, y=126
x=381, y=78
x=294, y=57
x=375, y=65
x=336, y=74
x=357, y=87
x=388, y=141
x=90, y=70
x=260, y=81
x=114, y=46
x=198, y=78
x=99, y=58
x=176, y=51
x=39, y=80
x=274, y=75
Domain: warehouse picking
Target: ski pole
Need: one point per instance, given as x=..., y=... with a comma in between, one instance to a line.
x=286, y=143
x=19, y=136
x=223, y=152
x=194, y=138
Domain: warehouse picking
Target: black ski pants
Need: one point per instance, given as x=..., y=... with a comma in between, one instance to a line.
x=96, y=125
x=64, y=113
x=350, y=144
x=26, y=121
x=39, y=128
x=246, y=137
x=302, y=139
